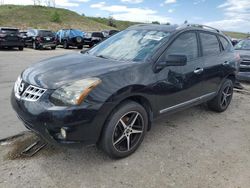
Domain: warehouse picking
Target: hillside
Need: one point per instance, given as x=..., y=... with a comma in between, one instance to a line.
x=25, y=17
x=120, y=25
x=237, y=35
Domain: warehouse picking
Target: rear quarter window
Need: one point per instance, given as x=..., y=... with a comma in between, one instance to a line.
x=225, y=44
x=210, y=44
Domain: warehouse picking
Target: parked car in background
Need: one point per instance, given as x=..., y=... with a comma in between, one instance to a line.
x=10, y=38
x=109, y=33
x=243, y=48
x=70, y=37
x=23, y=33
x=94, y=38
x=110, y=94
x=39, y=39
x=235, y=41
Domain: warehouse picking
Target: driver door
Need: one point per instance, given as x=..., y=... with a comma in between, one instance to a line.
x=178, y=86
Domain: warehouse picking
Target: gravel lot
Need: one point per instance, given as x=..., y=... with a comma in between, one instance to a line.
x=194, y=148
x=12, y=63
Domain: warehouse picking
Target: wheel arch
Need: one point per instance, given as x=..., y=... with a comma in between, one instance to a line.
x=135, y=98
x=231, y=77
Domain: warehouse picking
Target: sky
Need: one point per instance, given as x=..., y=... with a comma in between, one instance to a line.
x=228, y=15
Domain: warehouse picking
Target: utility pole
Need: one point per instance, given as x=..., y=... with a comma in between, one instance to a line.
x=53, y=3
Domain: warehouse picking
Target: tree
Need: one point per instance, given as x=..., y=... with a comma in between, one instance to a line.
x=168, y=23
x=111, y=22
x=156, y=22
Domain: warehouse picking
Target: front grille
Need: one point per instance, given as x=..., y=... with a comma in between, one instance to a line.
x=245, y=62
x=32, y=93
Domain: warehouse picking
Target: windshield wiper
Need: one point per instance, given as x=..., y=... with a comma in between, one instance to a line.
x=101, y=56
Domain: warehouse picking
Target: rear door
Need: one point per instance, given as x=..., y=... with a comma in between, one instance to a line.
x=213, y=58
x=180, y=85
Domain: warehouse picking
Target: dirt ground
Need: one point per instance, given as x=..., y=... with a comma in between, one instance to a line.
x=195, y=148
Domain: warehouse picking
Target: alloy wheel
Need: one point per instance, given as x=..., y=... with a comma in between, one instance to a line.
x=226, y=96
x=128, y=131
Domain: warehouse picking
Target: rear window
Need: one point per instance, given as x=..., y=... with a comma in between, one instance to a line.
x=226, y=45
x=210, y=44
x=97, y=35
x=46, y=33
x=9, y=31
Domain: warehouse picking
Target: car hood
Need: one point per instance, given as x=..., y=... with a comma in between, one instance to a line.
x=55, y=72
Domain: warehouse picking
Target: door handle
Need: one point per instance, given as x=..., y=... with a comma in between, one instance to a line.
x=198, y=70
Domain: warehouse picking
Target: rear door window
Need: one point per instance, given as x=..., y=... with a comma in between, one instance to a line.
x=210, y=44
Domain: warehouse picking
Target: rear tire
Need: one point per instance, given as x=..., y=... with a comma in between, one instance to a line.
x=20, y=48
x=53, y=48
x=124, y=130
x=224, y=97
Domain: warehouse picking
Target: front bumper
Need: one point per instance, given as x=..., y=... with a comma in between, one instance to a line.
x=47, y=45
x=243, y=76
x=83, y=123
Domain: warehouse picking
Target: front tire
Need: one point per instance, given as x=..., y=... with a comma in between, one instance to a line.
x=224, y=97
x=20, y=48
x=124, y=131
x=65, y=45
x=34, y=45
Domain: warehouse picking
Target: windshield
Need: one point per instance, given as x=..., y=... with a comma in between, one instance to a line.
x=130, y=45
x=243, y=45
x=76, y=33
x=46, y=33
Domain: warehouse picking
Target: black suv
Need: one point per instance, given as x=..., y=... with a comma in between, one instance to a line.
x=70, y=37
x=39, y=39
x=94, y=38
x=10, y=38
x=110, y=94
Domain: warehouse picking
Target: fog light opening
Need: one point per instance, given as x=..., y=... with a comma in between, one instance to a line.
x=63, y=133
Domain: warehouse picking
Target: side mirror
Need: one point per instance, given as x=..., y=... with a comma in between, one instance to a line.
x=176, y=60
x=172, y=60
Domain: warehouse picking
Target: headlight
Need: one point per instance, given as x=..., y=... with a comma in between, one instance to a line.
x=76, y=92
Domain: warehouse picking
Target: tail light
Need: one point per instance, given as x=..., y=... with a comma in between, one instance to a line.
x=38, y=39
x=2, y=35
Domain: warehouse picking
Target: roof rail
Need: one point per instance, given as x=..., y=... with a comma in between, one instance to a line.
x=200, y=26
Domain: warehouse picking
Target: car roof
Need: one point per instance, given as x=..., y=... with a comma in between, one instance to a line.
x=9, y=28
x=157, y=27
x=175, y=28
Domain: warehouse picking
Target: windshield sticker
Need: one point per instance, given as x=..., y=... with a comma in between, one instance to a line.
x=153, y=37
